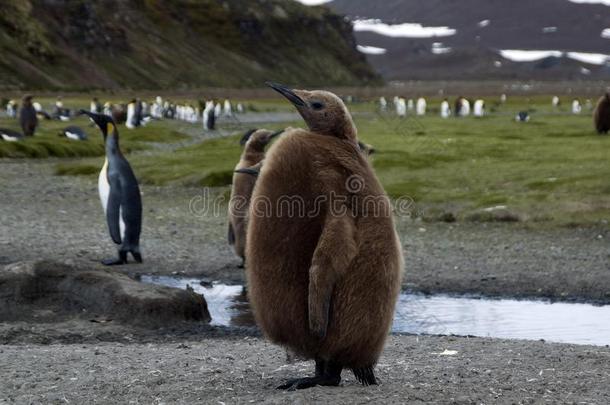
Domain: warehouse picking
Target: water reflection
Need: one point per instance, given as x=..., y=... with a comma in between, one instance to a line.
x=440, y=314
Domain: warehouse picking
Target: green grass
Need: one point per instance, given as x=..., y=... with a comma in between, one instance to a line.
x=552, y=170
x=47, y=143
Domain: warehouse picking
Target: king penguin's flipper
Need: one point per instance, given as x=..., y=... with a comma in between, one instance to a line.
x=113, y=211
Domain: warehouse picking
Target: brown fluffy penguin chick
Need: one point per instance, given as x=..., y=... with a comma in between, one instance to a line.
x=601, y=116
x=244, y=178
x=324, y=260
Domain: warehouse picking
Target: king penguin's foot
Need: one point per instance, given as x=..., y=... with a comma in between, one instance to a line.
x=137, y=256
x=327, y=375
x=122, y=259
x=114, y=261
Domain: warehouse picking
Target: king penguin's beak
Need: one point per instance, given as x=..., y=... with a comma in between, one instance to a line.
x=288, y=93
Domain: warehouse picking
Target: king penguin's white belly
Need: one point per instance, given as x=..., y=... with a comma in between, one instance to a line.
x=104, y=190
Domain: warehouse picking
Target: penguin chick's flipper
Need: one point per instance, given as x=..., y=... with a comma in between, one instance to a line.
x=335, y=250
x=231, y=235
x=327, y=374
x=113, y=211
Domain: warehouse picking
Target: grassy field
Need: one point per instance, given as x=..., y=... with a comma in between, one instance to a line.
x=553, y=169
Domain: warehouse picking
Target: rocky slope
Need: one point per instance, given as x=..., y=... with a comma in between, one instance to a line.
x=483, y=28
x=179, y=44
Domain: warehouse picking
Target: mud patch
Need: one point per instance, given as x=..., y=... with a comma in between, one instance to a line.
x=44, y=291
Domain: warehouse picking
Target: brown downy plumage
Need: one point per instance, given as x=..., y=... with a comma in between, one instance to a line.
x=601, y=116
x=244, y=178
x=324, y=260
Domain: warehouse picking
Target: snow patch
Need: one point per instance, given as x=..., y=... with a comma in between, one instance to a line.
x=314, y=2
x=606, y=33
x=590, y=58
x=604, y=2
x=517, y=55
x=439, y=49
x=405, y=30
x=483, y=23
x=549, y=30
x=371, y=50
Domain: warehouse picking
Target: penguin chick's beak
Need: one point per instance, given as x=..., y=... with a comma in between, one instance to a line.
x=288, y=93
x=249, y=171
x=276, y=134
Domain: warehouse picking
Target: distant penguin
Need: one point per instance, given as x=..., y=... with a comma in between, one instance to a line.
x=401, y=107
x=211, y=117
x=462, y=107
x=601, y=116
x=27, y=116
x=227, y=109
x=119, y=194
x=503, y=98
x=323, y=278
x=107, y=109
x=254, y=143
x=131, y=115
x=522, y=116
x=138, y=114
x=240, y=108
x=479, y=108
x=218, y=110
x=410, y=104
x=75, y=133
x=555, y=101
x=95, y=106
x=11, y=109
x=383, y=104
x=445, y=109
x=421, y=106
x=10, y=135
x=576, y=107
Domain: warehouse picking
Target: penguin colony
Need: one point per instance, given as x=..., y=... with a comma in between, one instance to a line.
x=323, y=285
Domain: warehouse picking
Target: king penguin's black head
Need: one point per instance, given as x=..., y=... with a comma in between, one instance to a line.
x=104, y=122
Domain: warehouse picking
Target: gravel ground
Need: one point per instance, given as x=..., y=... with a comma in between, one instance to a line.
x=68, y=359
x=60, y=218
x=246, y=370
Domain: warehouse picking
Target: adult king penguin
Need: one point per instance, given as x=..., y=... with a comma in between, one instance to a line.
x=323, y=273
x=119, y=193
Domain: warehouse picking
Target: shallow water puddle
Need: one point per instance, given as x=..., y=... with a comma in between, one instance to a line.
x=441, y=314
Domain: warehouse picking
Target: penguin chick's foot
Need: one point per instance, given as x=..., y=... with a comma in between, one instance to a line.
x=308, y=382
x=327, y=375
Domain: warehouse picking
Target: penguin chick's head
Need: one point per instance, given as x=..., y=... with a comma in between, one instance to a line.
x=323, y=112
x=104, y=122
x=366, y=149
x=258, y=139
